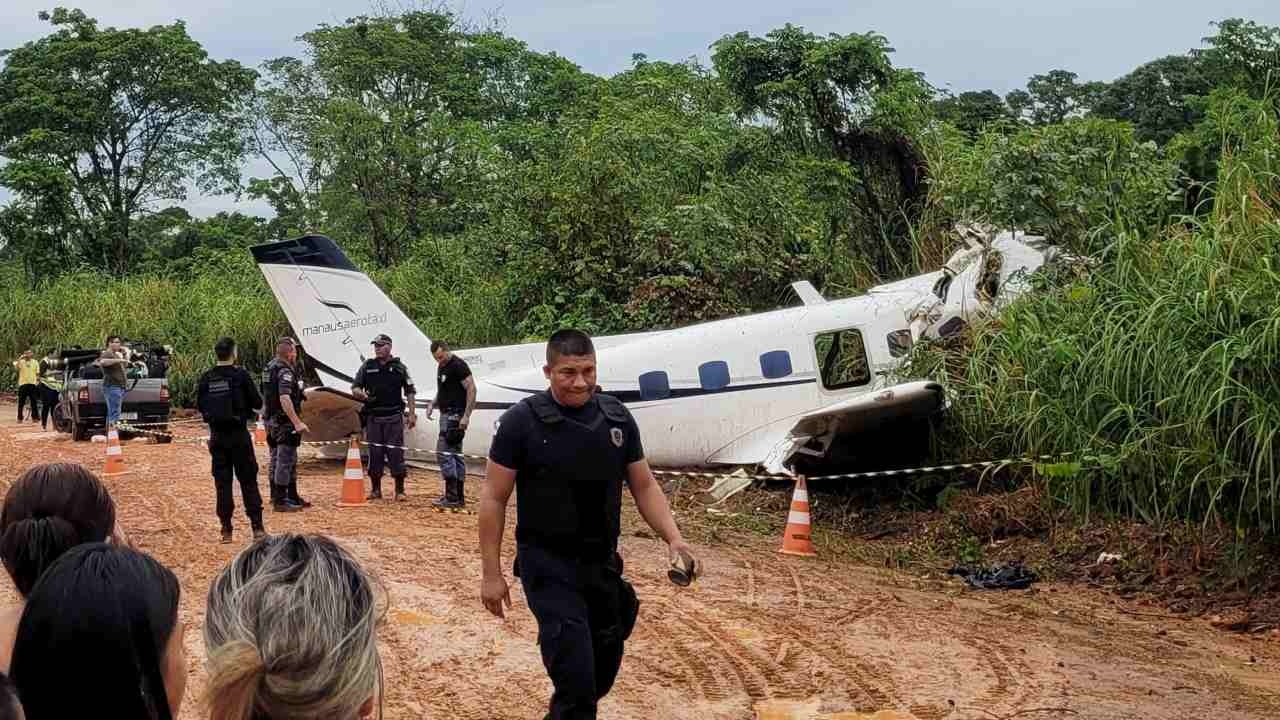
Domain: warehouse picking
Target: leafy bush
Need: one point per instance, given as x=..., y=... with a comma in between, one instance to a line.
x=1080, y=182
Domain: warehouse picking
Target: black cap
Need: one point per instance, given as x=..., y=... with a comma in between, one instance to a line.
x=382, y=339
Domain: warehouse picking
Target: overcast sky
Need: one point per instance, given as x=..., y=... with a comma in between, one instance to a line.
x=958, y=44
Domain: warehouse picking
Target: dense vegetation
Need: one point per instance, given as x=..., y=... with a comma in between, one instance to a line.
x=498, y=192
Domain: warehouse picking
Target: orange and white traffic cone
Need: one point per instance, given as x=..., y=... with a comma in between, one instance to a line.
x=260, y=433
x=353, y=478
x=796, y=539
x=115, y=456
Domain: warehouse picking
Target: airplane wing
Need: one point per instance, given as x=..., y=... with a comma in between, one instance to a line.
x=773, y=444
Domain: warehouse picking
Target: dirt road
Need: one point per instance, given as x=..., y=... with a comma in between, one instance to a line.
x=757, y=628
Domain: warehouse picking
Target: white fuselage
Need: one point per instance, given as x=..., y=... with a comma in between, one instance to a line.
x=716, y=393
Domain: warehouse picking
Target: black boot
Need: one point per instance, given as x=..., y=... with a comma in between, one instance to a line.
x=400, y=496
x=294, y=497
x=226, y=532
x=280, y=501
x=453, y=494
x=375, y=489
x=259, y=531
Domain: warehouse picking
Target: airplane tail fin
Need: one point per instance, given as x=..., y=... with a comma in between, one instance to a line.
x=334, y=308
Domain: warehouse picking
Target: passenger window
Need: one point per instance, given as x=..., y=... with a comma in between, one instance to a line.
x=775, y=364
x=654, y=386
x=714, y=375
x=842, y=359
x=899, y=343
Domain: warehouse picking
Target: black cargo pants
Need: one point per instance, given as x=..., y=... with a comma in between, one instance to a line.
x=585, y=612
x=233, y=454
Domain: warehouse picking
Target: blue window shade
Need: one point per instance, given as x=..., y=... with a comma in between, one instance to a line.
x=714, y=375
x=775, y=364
x=654, y=386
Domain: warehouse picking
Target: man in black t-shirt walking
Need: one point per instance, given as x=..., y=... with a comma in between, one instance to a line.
x=456, y=398
x=567, y=452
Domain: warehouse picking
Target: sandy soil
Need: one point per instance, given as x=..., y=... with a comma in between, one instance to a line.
x=760, y=633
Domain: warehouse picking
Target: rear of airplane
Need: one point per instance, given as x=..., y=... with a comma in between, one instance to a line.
x=335, y=309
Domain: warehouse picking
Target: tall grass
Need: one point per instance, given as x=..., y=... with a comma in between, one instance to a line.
x=1164, y=363
x=225, y=294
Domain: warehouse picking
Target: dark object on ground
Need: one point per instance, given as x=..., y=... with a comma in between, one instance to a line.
x=1008, y=576
x=684, y=570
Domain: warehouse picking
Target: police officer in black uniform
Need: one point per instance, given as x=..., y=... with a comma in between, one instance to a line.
x=228, y=399
x=384, y=385
x=569, y=450
x=282, y=393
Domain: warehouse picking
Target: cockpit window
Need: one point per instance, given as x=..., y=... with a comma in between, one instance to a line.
x=842, y=359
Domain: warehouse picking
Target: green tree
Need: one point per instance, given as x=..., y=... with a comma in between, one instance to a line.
x=128, y=117
x=1157, y=97
x=1055, y=96
x=1019, y=102
x=392, y=127
x=972, y=111
x=1079, y=183
x=173, y=237
x=1243, y=54
x=840, y=97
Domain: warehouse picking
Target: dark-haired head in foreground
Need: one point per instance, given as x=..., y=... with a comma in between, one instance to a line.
x=48, y=510
x=100, y=637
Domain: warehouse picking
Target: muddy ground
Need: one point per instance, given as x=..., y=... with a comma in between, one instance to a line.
x=805, y=637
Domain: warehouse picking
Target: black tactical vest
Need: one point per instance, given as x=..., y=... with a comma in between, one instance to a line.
x=222, y=402
x=384, y=383
x=569, y=490
x=271, y=388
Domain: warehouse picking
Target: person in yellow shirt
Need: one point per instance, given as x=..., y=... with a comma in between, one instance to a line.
x=28, y=384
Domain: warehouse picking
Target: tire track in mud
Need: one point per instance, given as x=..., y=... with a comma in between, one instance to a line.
x=1013, y=680
x=840, y=604
x=1013, y=684
x=798, y=666
x=753, y=673
x=816, y=595
x=867, y=686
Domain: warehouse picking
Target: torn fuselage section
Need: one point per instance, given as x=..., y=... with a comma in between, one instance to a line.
x=888, y=425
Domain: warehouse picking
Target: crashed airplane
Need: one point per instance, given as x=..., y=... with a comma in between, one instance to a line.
x=773, y=390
